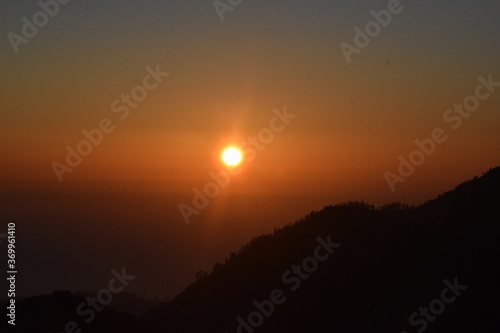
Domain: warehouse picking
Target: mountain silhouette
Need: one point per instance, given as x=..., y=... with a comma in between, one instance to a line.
x=391, y=261
x=352, y=267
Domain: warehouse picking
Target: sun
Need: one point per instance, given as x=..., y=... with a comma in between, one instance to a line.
x=232, y=156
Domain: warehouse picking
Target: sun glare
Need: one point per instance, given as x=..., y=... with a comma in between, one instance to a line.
x=232, y=156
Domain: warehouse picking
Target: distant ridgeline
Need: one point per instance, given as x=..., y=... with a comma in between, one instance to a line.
x=351, y=267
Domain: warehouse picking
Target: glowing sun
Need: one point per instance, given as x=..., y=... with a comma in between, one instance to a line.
x=232, y=156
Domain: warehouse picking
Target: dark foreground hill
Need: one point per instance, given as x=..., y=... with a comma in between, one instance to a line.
x=350, y=268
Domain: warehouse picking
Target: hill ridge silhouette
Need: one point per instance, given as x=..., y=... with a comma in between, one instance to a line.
x=392, y=260
x=429, y=222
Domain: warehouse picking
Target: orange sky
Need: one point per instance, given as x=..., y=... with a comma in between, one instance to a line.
x=352, y=122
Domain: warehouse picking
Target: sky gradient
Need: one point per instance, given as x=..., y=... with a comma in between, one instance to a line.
x=120, y=206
